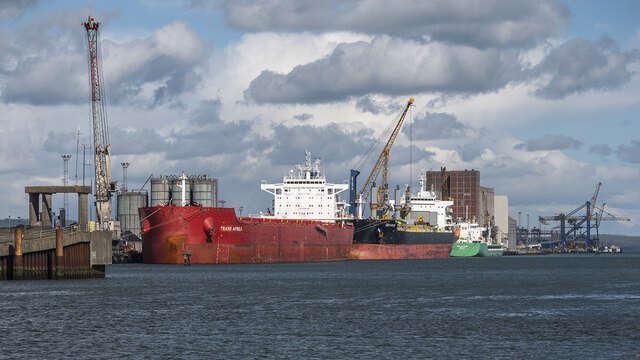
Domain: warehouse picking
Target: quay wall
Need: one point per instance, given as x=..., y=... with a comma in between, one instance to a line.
x=60, y=254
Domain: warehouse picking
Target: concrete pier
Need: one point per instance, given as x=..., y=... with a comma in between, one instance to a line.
x=34, y=204
x=44, y=219
x=59, y=255
x=18, y=261
x=69, y=253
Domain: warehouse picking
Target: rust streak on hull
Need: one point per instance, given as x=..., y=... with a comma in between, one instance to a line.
x=399, y=251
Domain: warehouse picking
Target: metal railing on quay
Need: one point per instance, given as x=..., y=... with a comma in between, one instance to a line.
x=35, y=233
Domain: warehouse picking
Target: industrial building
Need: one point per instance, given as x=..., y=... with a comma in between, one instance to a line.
x=513, y=229
x=472, y=201
x=200, y=190
x=501, y=217
x=463, y=187
x=486, y=206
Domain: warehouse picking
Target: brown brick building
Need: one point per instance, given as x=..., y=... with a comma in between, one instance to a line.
x=463, y=187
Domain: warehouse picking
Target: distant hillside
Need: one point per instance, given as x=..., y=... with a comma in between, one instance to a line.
x=14, y=222
x=627, y=243
x=4, y=223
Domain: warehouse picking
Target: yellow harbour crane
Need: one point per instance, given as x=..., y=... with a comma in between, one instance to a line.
x=382, y=165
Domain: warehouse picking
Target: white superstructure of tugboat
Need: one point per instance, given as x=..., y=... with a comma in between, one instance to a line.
x=305, y=194
x=471, y=232
x=472, y=242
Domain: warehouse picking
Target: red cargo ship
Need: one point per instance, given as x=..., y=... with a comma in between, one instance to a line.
x=307, y=225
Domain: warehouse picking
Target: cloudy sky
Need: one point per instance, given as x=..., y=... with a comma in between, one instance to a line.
x=541, y=96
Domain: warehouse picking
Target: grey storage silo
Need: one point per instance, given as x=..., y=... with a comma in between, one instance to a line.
x=128, y=216
x=160, y=191
x=205, y=191
x=176, y=191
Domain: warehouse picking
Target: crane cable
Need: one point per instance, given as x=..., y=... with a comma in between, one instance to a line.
x=378, y=143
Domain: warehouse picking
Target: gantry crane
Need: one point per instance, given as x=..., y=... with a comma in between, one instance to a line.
x=102, y=149
x=580, y=226
x=382, y=164
x=594, y=198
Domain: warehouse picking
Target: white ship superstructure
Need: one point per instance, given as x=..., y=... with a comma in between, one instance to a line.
x=305, y=194
x=471, y=232
x=425, y=205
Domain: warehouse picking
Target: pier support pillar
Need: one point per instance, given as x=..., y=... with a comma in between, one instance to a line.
x=46, y=210
x=18, y=270
x=59, y=255
x=83, y=214
x=34, y=206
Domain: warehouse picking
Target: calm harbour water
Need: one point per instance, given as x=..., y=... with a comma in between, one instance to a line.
x=533, y=307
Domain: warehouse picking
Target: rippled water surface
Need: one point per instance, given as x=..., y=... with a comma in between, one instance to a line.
x=535, y=307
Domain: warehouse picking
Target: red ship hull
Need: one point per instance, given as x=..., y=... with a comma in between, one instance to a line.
x=208, y=235
x=387, y=240
x=399, y=251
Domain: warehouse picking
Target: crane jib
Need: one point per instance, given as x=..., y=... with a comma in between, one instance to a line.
x=381, y=164
x=384, y=156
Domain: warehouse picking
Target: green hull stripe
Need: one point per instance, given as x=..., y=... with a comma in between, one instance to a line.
x=473, y=249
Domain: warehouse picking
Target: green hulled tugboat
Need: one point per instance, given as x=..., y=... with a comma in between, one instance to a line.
x=471, y=242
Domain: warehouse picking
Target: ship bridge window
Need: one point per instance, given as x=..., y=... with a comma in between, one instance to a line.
x=278, y=191
x=329, y=191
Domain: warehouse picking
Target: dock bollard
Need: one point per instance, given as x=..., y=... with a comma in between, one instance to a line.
x=59, y=255
x=18, y=269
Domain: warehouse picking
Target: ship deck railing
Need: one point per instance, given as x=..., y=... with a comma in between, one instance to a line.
x=31, y=233
x=326, y=222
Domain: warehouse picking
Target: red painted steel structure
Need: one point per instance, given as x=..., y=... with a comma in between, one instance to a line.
x=399, y=251
x=210, y=235
x=92, y=35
